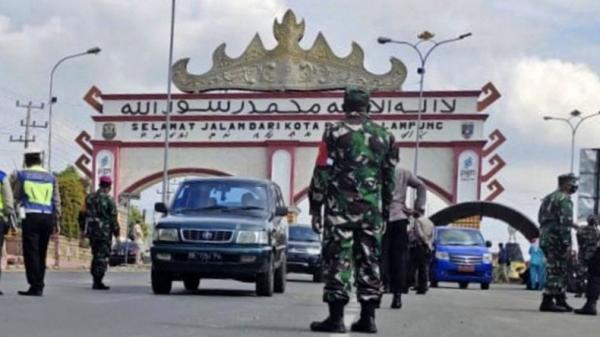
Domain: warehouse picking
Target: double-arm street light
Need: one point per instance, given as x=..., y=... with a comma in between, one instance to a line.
x=574, y=121
x=423, y=56
x=52, y=100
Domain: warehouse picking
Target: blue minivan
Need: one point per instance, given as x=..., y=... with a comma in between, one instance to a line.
x=461, y=255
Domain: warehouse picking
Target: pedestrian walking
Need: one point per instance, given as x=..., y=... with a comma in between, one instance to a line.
x=556, y=220
x=6, y=210
x=420, y=248
x=354, y=181
x=503, y=263
x=100, y=226
x=587, y=241
x=536, y=265
x=36, y=190
x=395, y=241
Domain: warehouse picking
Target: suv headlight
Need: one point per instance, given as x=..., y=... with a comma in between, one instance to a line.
x=252, y=237
x=442, y=256
x=313, y=251
x=166, y=234
x=487, y=258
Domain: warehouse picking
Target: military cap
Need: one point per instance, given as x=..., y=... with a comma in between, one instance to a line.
x=105, y=180
x=567, y=178
x=355, y=99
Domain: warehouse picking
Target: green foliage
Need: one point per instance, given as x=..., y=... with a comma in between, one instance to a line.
x=72, y=197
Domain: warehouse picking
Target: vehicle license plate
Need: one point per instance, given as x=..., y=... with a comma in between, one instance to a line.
x=206, y=257
x=466, y=268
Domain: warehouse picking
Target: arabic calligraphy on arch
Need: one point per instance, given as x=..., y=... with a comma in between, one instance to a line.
x=303, y=106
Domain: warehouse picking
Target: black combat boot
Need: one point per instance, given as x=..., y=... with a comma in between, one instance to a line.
x=561, y=300
x=589, y=308
x=99, y=285
x=548, y=304
x=334, y=323
x=397, y=301
x=366, y=322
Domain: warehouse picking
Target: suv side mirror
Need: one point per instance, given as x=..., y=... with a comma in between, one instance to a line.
x=281, y=211
x=160, y=207
x=488, y=244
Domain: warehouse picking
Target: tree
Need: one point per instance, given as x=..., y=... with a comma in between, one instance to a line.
x=72, y=196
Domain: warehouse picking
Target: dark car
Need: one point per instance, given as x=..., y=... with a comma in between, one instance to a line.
x=304, y=252
x=224, y=228
x=123, y=252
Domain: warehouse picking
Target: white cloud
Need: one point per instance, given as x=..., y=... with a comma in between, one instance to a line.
x=553, y=87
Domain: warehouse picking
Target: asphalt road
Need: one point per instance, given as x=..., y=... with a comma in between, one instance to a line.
x=228, y=308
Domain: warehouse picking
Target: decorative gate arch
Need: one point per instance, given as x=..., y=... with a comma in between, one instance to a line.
x=509, y=215
x=273, y=129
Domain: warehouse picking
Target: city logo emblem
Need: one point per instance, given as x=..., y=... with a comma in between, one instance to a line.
x=109, y=131
x=467, y=130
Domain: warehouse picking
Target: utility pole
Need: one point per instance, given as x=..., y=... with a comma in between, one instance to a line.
x=172, y=183
x=28, y=124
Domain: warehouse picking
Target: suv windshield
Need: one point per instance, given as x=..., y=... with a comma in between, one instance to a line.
x=220, y=195
x=298, y=233
x=460, y=237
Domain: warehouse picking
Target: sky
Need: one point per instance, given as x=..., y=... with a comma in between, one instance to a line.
x=542, y=55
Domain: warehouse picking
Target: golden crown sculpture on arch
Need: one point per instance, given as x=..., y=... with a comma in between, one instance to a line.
x=288, y=67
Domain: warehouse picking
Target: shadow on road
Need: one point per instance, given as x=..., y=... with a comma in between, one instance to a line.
x=216, y=292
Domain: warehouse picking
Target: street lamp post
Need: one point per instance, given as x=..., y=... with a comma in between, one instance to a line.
x=165, y=196
x=574, y=122
x=52, y=100
x=423, y=56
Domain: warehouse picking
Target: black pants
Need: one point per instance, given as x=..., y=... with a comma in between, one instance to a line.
x=420, y=257
x=395, y=256
x=37, y=229
x=593, y=285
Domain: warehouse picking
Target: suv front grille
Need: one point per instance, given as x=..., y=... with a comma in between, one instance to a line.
x=466, y=259
x=206, y=235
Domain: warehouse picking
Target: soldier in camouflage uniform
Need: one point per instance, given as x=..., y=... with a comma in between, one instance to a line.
x=587, y=240
x=354, y=180
x=591, y=255
x=556, y=221
x=100, y=226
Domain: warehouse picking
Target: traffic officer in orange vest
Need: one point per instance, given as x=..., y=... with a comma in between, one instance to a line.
x=6, y=209
x=37, y=192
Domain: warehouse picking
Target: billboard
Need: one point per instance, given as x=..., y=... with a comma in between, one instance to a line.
x=588, y=199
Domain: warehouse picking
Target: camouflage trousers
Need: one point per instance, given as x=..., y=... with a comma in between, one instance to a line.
x=100, y=255
x=582, y=276
x=557, y=252
x=351, y=257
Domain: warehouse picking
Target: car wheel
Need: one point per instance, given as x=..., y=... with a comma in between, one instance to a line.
x=280, y=276
x=463, y=285
x=433, y=283
x=265, y=282
x=485, y=286
x=161, y=283
x=191, y=283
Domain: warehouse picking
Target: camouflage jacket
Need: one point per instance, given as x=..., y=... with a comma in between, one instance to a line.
x=556, y=215
x=588, y=238
x=354, y=175
x=100, y=216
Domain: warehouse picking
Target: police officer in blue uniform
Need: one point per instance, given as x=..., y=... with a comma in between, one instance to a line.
x=37, y=192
